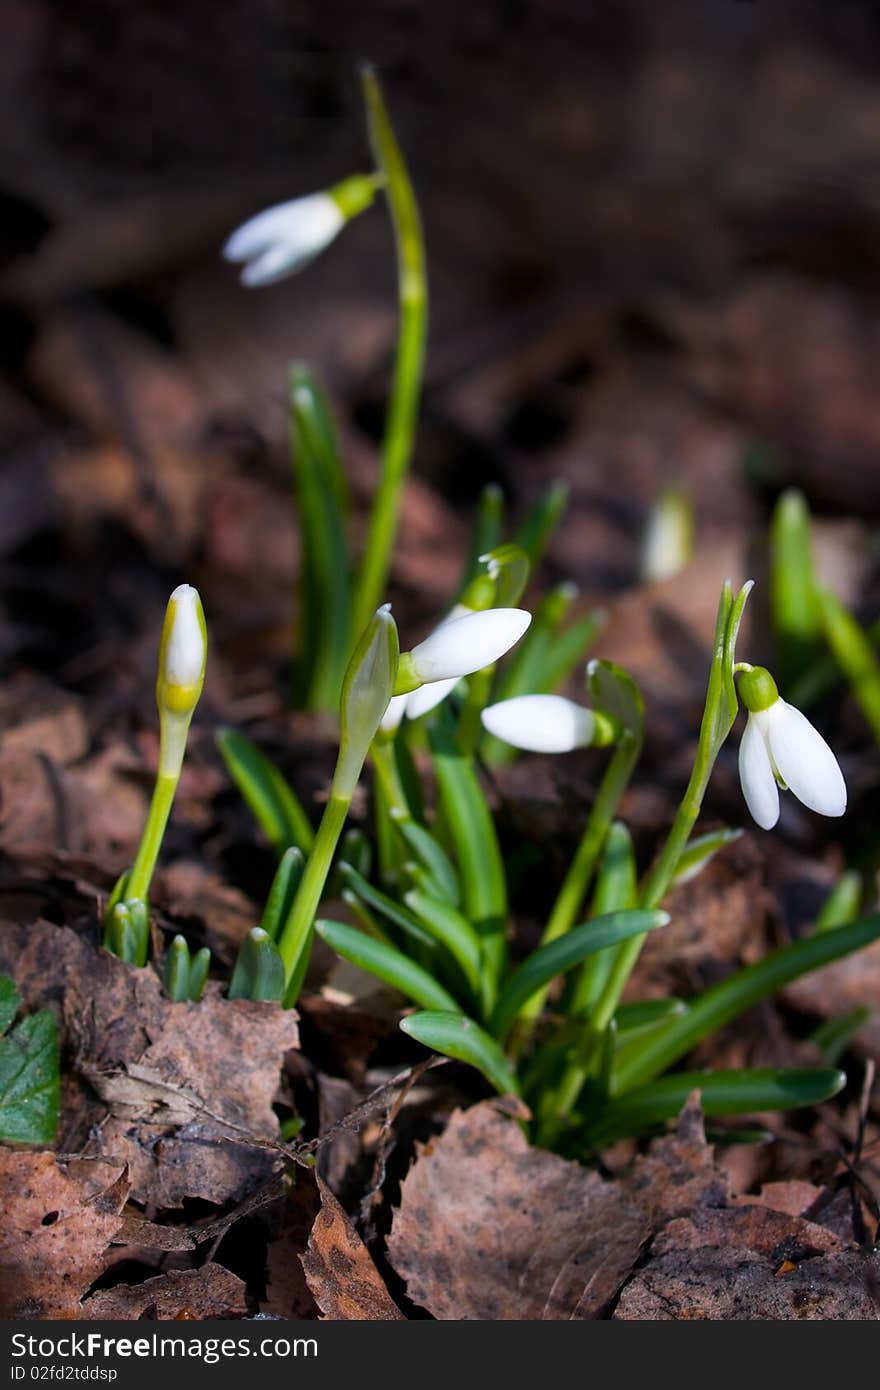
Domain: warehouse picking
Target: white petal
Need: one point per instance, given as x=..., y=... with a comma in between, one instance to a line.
x=541, y=723
x=756, y=775
x=393, y=714
x=804, y=760
x=428, y=697
x=283, y=238
x=185, y=648
x=464, y=645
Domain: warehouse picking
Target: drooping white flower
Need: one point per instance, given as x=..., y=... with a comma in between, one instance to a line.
x=284, y=238
x=390, y=721
x=780, y=748
x=541, y=723
x=184, y=647
x=461, y=646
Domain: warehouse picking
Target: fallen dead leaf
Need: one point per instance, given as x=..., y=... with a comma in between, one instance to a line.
x=340, y=1271
x=187, y=1089
x=490, y=1228
x=58, y=1223
x=181, y=1294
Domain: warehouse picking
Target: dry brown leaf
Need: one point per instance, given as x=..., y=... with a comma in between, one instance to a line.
x=679, y=1171
x=717, y=918
x=189, y=1087
x=58, y=1223
x=340, y=1271
x=185, y=1294
x=490, y=1228
x=751, y=1262
x=287, y=1292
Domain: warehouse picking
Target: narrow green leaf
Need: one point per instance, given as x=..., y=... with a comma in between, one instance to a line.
x=259, y=969
x=386, y=963
x=274, y=804
x=698, y=852
x=30, y=1083
x=855, y=655
x=487, y=532
x=842, y=903
x=321, y=499
x=642, y=1060
x=834, y=1036
x=647, y=1013
x=721, y=1093
x=481, y=869
x=796, y=615
x=384, y=905
x=558, y=956
x=431, y=854
x=287, y=879
x=542, y=520
x=616, y=890
x=198, y=973
x=455, y=933
x=454, y=1035
x=176, y=974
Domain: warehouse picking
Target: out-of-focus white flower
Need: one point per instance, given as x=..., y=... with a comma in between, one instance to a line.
x=284, y=238
x=669, y=535
x=780, y=748
x=184, y=647
x=460, y=646
x=541, y=723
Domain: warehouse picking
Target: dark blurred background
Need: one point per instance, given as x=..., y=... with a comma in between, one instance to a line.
x=654, y=241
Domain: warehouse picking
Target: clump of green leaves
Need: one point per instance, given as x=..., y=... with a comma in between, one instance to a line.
x=30, y=1083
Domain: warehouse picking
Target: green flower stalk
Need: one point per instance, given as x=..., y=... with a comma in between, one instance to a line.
x=412, y=281
x=182, y=657
x=366, y=692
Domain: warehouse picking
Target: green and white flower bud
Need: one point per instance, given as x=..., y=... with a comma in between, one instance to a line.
x=284, y=238
x=183, y=654
x=547, y=724
x=366, y=693
x=461, y=646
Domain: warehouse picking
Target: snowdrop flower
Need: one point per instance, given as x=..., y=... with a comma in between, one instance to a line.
x=668, y=541
x=183, y=652
x=284, y=238
x=546, y=724
x=780, y=748
x=460, y=646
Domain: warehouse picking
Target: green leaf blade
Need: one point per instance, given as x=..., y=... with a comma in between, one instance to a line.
x=459, y=1037
x=386, y=963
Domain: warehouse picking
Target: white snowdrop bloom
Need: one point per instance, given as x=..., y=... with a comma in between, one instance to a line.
x=463, y=645
x=184, y=646
x=428, y=697
x=541, y=723
x=284, y=238
x=390, y=721
x=780, y=748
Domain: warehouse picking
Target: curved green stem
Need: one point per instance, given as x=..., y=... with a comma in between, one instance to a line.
x=406, y=386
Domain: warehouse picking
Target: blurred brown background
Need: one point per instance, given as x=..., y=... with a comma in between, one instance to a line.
x=654, y=253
